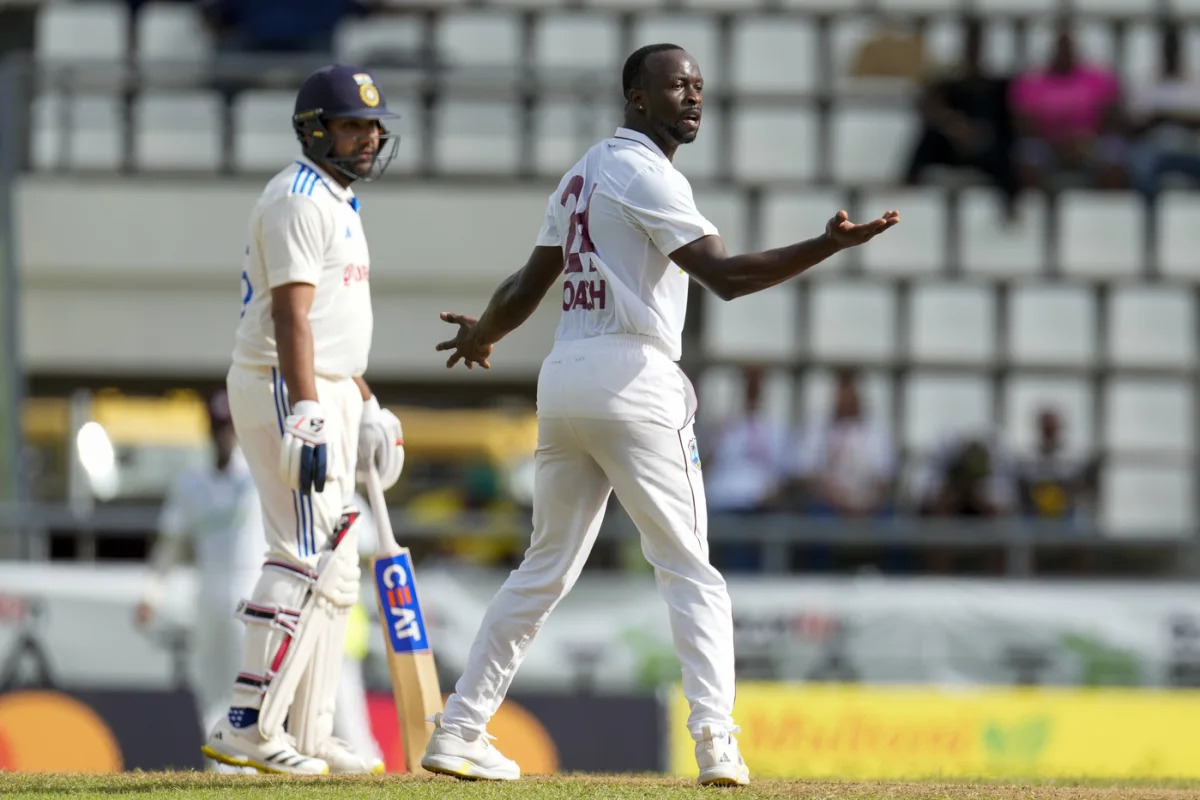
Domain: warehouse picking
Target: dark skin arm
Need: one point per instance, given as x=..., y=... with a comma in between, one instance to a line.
x=290, y=304
x=515, y=299
x=704, y=259
x=729, y=276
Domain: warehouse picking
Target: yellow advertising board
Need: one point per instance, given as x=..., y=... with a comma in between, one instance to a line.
x=882, y=732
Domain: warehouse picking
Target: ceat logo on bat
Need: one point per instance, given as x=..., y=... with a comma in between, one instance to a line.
x=399, y=604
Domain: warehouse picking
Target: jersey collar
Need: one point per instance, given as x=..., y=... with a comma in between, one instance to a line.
x=345, y=195
x=640, y=138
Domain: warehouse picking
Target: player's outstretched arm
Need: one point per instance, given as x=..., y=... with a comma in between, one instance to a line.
x=515, y=299
x=734, y=276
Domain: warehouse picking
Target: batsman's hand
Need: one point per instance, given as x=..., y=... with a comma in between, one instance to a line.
x=844, y=233
x=304, y=456
x=466, y=345
x=380, y=443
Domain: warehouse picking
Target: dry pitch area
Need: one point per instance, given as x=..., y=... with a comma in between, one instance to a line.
x=186, y=785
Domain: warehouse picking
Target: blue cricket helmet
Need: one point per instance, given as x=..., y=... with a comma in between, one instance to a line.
x=340, y=91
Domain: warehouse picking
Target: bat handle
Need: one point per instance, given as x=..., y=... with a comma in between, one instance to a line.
x=383, y=522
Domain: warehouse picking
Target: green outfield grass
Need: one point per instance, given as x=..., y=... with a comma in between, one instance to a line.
x=186, y=785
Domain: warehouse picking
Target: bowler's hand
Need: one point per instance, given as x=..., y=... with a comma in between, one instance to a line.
x=844, y=233
x=466, y=345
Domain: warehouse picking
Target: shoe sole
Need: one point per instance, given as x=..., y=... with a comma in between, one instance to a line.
x=242, y=761
x=723, y=779
x=462, y=769
x=378, y=769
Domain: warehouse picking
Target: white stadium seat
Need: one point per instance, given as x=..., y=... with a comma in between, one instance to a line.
x=772, y=143
x=381, y=37
x=762, y=325
x=871, y=144
x=477, y=136
x=990, y=246
x=1052, y=324
x=177, y=130
x=952, y=322
x=263, y=137
x=774, y=54
x=172, y=32
x=790, y=217
x=1179, y=235
x=852, y=320
x=874, y=387
x=480, y=39
x=1101, y=234
x=580, y=40
x=939, y=405
x=1152, y=326
x=1152, y=415
x=565, y=129
x=918, y=245
x=1139, y=500
x=90, y=138
x=82, y=31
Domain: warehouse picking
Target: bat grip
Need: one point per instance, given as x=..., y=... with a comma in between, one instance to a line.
x=383, y=522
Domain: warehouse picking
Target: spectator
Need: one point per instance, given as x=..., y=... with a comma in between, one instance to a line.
x=1165, y=117
x=966, y=122
x=1068, y=119
x=845, y=463
x=1051, y=485
x=969, y=477
x=278, y=26
x=745, y=471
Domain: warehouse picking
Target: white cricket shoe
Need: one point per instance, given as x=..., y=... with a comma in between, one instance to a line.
x=343, y=760
x=720, y=761
x=449, y=754
x=245, y=747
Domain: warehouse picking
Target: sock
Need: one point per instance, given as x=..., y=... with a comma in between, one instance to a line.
x=243, y=717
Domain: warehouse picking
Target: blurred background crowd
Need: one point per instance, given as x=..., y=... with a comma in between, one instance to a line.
x=1005, y=388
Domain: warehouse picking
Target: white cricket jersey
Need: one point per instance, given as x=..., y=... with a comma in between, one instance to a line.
x=618, y=214
x=305, y=228
x=220, y=513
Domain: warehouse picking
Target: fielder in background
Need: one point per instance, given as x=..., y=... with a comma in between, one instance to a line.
x=217, y=510
x=307, y=422
x=620, y=238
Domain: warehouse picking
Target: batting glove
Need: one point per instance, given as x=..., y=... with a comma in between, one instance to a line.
x=303, y=458
x=380, y=443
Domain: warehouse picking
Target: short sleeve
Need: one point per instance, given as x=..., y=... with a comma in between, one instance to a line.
x=549, y=235
x=660, y=202
x=294, y=238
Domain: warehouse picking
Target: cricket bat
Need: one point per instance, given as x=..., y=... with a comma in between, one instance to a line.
x=410, y=660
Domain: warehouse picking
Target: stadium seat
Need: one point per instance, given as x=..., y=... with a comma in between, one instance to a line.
x=725, y=209
x=381, y=38
x=823, y=5
x=1138, y=500
x=911, y=6
x=989, y=246
x=874, y=386
x=479, y=39
x=724, y=5
x=1093, y=40
x=774, y=54
x=851, y=320
x=762, y=325
x=790, y=217
x=721, y=390
x=1101, y=234
x=1047, y=7
x=566, y=129
x=771, y=143
x=477, y=136
x=82, y=31
x=176, y=130
x=916, y=246
x=952, y=322
x=1052, y=324
x=937, y=406
x=92, y=132
x=172, y=32
x=580, y=40
x=696, y=33
x=263, y=139
x=1179, y=235
x=1143, y=415
x=1122, y=7
x=1026, y=395
x=1152, y=326
x=1184, y=6
x=871, y=144
x=944, y=44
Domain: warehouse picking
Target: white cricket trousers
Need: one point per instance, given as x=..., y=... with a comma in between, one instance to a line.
x=297, y=526
x=615, y=413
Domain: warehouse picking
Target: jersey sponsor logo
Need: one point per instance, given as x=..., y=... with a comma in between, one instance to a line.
x=355, y=273
x=401, y=607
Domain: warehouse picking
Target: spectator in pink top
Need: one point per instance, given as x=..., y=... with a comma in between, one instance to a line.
x=1068, y=119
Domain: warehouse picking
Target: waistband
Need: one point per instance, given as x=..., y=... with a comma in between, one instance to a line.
x=615, y=341
x=263, y=370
